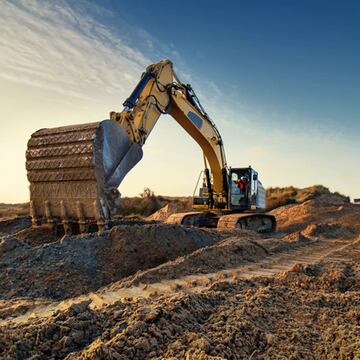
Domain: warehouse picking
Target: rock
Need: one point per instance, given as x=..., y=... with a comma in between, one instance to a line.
x=77, y=336
x=8, y=243
x=65, y=343
x=270, y=338
x=142, y=344
x=119, y=328
x=152, y=315
x=80, y=307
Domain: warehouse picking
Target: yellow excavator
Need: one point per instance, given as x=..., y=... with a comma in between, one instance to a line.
x=75, y=171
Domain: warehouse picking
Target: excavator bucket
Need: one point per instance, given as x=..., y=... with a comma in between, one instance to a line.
x=74, y=172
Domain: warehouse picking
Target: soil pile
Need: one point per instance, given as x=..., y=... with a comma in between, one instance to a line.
x=323, y=209
x=77, y=264
x=13, y=225
x=306, y=313
x=225, y=254
x=277, y=196
x=328, y=231
x=167, y=210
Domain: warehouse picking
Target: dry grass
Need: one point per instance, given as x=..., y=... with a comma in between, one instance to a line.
x=276, y=197
x=12, y=210
x=147, y=203
x=145, y=206
x=138, y=206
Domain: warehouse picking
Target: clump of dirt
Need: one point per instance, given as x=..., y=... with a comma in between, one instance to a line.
x=321, y=231
x=296, y=236
x=62, y=333
x=18, y=307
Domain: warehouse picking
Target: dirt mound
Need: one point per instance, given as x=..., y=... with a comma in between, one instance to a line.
x=77, y=264
x=328, y=208
x=352, y=220
x=321, y=231
x=66, y=331
x=225, y=254
x=144, y=247
x=8, y=244
x=14, y=225
x=166, y=211
x=37, y=236
x=328, y=231
x=277, y=196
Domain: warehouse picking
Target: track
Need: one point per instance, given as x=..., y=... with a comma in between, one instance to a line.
x=333, y=250
x=268, y=267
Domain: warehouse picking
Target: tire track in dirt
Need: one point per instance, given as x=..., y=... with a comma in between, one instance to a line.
x=269, y=267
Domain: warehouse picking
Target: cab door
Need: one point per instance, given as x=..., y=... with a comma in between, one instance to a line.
x=239, y=199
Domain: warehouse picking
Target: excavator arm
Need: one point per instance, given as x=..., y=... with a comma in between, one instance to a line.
x=160, y=92
x=74, y=171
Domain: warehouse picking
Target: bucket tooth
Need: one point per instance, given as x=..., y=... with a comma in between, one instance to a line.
x=49, y=219
x=82, y=221
x=34, y=219
x=100, y=220
x=65, y=218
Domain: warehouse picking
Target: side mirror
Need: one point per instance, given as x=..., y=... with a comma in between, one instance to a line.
x=255, y=177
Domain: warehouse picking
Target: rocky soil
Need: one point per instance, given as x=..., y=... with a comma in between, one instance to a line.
x=156, y=291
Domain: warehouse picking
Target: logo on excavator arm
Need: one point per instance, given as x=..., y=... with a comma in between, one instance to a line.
x=195, y=119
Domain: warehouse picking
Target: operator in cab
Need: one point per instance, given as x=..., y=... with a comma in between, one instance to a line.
x=243, y=184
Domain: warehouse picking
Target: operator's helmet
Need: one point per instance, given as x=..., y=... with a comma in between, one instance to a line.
x=244, y=179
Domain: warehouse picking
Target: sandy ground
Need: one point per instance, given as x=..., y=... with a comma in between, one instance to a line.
x=159, y=291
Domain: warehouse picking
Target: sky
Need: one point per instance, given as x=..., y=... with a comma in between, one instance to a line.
x=279, y=78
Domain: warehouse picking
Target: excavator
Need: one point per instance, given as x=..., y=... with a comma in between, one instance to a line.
x=75, y=171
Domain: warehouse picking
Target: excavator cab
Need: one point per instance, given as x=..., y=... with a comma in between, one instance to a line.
x=244, y=207
x=245, y=190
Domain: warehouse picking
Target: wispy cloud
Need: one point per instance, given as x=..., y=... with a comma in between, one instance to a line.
x=72, y=48
x=53, y=46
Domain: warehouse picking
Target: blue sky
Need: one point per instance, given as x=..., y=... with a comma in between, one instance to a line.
x=279, y=78
x=299, y=57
